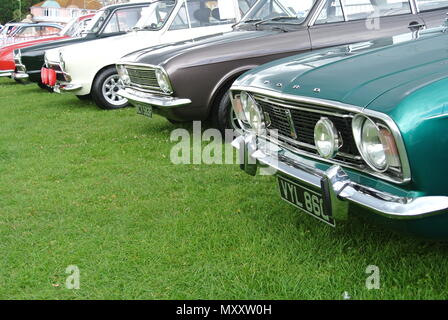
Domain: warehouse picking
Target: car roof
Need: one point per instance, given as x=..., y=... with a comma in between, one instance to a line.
x=128, y=4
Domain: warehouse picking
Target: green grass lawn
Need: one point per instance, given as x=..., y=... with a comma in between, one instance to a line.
x=96, y=189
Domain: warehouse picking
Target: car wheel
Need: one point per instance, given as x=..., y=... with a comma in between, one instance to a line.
x=105, y=88
x=84, y=97
x=225, y=117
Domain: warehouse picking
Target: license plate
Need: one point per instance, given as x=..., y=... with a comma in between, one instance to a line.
x=306, y=199
x=144, y=110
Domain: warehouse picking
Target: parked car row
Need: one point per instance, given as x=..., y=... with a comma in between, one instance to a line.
x=343, y=99
x=19, y=32
x=73, y=29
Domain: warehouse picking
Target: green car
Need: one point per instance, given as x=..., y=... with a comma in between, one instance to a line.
x=360, y=128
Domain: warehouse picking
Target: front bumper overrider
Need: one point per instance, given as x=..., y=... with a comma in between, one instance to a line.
x=337, y=188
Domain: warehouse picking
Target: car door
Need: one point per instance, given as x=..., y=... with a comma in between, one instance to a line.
x=349, y=21
x=432, y=12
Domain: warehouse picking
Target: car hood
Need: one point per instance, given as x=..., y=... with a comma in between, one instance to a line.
x=39, y=48
x=211, y=49
x=32, y=42
x=359, y=74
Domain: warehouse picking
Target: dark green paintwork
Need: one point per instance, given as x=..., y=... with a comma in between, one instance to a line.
x=407, y=80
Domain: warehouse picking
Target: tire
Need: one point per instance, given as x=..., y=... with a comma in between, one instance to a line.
x=84, y=97
x=45, y=87
x=42, y=86
x=104, y=89
x=223, y=115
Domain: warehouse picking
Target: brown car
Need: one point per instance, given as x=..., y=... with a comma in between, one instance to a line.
x=190, y=80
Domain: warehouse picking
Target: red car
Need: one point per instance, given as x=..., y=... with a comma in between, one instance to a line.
x=73, y=29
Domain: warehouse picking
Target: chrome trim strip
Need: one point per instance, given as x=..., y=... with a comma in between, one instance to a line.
x=338, y=184
x=414, y=7
x=316, y=13
x=350, y=108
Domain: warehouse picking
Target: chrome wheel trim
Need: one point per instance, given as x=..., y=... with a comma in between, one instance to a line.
x=110, y=88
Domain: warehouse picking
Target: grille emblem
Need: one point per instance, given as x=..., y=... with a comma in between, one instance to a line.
x=292, y=128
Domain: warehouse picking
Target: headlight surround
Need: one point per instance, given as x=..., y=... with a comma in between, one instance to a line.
x=62, y=61
x=17, y=56
x=376, y=144
x=123, y=74
x=326, y=138
x=248, y=112
x=163, y=81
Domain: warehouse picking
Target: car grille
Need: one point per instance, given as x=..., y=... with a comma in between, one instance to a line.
x=295, y=122
x=143, y=79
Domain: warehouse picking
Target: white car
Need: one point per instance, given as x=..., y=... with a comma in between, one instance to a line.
x=88, y=69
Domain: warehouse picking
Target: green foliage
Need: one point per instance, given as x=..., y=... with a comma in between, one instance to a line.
x=8, y=7
x=96, y=189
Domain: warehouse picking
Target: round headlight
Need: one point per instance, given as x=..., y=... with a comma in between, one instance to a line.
x=18, y=56
x=326, y=138
x=251, y=113
x=368, y=139
x=164, y=82
x=123, y=74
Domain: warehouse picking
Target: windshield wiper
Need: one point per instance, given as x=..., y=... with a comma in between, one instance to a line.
x=275, y=19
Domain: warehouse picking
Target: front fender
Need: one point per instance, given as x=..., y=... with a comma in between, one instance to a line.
x=422, y=117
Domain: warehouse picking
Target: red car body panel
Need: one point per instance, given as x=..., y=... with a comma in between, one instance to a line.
x=6, y=53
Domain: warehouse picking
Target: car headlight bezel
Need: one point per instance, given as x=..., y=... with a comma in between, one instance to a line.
x=123, y=74
x=17, y=56
x=248, y=112
x=62, y=62
x=163, y=81
x=326, y=128
x=376, y=144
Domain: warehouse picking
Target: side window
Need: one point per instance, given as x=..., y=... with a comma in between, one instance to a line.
x=181, y=20
x=210, y=12
x=427, y=5
x=48, y=31
x=331, y=13
x=358, y=9
x=123, y=20
x=392, y=7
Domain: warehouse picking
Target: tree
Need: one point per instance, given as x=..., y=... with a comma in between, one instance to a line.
x=7, y=12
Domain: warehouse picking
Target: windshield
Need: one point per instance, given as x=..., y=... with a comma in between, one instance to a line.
x=97, y=21
x=294, y=11
x=156, y=15
x=75, y=27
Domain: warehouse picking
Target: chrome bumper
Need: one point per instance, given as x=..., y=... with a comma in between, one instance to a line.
x=337, y=188
x=158, y=101
x=6, y=73
x=68, y=87
x=21, y=77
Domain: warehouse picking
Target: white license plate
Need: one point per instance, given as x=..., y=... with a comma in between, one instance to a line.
x=144, y=110
x=306, y=199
